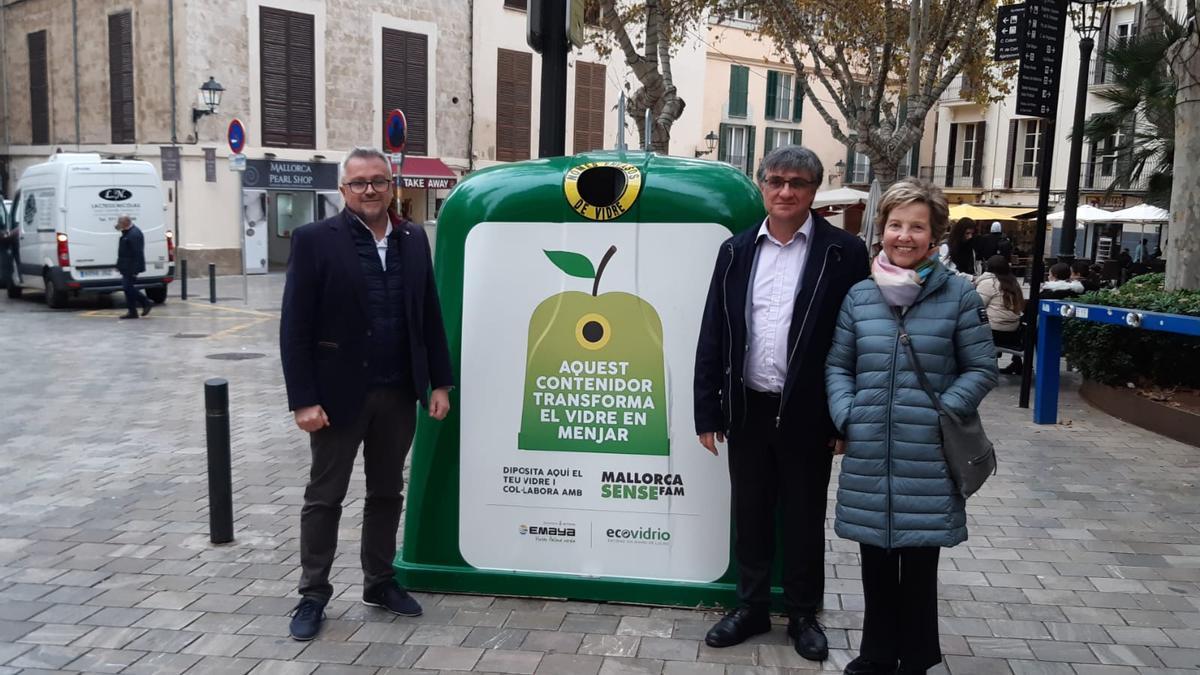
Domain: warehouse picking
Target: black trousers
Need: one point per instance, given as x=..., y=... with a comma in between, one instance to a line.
x=134, y=298
x=785, y=476
x=901, y=622
x=384, y=427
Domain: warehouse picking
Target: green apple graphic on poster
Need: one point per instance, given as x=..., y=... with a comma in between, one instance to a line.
x=594, y=374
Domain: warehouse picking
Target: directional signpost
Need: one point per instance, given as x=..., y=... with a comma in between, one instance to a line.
x=1040, y=31
x=237, y=162
x=395, y=134
x=1009, y=32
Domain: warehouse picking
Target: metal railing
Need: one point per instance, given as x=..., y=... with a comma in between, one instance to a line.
x=954, y=175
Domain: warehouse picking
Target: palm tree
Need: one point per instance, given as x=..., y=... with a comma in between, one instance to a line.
x=1142, y=115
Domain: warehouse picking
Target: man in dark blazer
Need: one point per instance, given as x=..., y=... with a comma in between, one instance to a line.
x=131, y=261
x=362, y=341
x=760, y=382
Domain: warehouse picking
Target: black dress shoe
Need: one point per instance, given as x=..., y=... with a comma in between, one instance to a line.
x=736, y=626
x=864, y=666
x=146, y=308
x=808, y=637
x=131, y=315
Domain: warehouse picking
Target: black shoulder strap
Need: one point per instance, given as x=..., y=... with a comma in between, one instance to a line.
x=916, y=362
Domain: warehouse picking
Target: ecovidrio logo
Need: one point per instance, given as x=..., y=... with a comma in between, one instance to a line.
x=638, y=535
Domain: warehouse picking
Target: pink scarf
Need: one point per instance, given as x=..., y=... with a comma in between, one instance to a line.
x=900, y=286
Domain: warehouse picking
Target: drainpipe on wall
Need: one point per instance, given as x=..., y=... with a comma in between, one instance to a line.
x=174, y=113
x=470, y=84
x=75, y=58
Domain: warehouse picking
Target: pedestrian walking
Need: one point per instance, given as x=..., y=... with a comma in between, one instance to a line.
x=131, y=261
x=362, y=341
x=767, y=324
x=895, y=496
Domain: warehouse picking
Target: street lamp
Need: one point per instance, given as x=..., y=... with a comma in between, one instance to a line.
x=839, y=170
x=1088, y=17
x=711, y=141
x=210, y=94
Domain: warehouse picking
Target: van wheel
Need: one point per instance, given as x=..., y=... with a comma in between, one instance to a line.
x=14, y=291
x=158, y=294
x=56, y=298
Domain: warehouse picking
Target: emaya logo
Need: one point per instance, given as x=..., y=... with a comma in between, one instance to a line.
x=115, y=194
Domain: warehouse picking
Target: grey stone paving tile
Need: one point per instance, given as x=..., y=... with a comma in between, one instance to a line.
x=390, y=655
x=449, y=658
x=509, y=661
x=222, y=665
x=534, y=620
x=108, y=637
x=740, y=655
x=167, y=619
x=569, y=664
x=1000, y=648
x=668, y=649
x=480, y=617
x=161, y=640
x=9, y=651
x=441, y=636
x=1065, y=652
x=646, y=626
x=105, y=661
x=977, y=666
x=1125, y=655
x=1106, y=670
x=277, y=647
x=551, y=642
x=49, y=657
x=1175, y=657
x=609, y=645
x=392, y=633
x=55, y=634
x=690, y=668
x=617, y=665
x=1139, y=635
x=588, y=623
x=219, y=645
x=1021, y=667
x=342, y=669
x=283, y=668
x=332, y=652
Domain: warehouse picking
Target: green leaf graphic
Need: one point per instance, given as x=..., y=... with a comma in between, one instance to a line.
x=572, y=263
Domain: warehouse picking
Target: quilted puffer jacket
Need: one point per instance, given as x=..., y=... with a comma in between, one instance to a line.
x=894, y=490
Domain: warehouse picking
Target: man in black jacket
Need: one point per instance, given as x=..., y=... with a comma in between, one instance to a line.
x=760, y=381
x=361, y=340
x=131, y=261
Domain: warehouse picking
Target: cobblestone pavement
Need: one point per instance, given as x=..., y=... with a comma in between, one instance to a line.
x=1084, y=554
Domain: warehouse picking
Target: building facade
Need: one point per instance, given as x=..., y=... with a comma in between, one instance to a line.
x=989, y=155
x=308, y=78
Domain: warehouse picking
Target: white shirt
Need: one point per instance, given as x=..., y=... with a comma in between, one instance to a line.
x=380, y=244
x=777, y=273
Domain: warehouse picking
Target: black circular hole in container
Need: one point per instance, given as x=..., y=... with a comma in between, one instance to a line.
x=601, y=185
x=593, y=331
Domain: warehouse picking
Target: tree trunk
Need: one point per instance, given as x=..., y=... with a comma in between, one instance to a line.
x=1183, y=230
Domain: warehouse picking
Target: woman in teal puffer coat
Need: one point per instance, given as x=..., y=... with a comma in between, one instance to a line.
x=895, y=497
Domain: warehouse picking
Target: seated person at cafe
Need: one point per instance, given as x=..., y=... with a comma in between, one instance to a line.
x=1004, y=301
x=1085, y=275
x=1061, y=285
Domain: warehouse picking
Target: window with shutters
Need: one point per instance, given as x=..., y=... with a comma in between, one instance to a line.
x=779, y=96
x=966, y=162
x=778, y=137
x=406, y=85
x=289, y=101
x=120, y=77
x=514, y=74
x=739, y=84
x=735, y=145
x=39, y=88
x=589, y=106
x=1030, y=148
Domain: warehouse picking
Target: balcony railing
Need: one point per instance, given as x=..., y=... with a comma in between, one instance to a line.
x=954, y=176
x=960, y=91
x=1101, y=174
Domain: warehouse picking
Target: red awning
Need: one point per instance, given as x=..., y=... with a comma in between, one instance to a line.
x=427, y=173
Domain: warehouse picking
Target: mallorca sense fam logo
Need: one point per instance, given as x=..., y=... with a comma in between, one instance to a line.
x=558, y=532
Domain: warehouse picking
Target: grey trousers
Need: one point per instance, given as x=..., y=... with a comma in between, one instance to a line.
x=385, y=430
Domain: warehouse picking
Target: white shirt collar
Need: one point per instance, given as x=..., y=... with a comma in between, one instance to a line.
x=387, y=233
x=805, y=229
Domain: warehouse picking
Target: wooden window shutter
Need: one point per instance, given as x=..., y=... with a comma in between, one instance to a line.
x=289, y=97
x=1011, y=163
x=1089, y=176
x=39, y=88
x=772, y=85
x=1098, y=60
x=589, y=106
x=120, y=77
x=723, y=143
x=797, y=137
x=977, y=169
x=797, y=102
x=406, y=85
x=514, y=90
x=750, y=151
x=739, y=80
x=952, y=159
x=517, y=4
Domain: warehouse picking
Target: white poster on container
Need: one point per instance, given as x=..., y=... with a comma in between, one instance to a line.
x=578, y=447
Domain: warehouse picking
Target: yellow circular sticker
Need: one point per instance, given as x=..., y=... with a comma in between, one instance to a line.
x=602, y=190
x=593, y=331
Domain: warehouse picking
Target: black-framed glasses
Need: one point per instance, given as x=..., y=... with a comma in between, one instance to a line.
x=360, y=186
x=777, y=183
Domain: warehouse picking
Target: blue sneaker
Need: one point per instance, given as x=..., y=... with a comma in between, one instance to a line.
x=306, y=619
x=394, y=599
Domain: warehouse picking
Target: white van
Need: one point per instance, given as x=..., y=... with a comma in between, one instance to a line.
x=66, y=210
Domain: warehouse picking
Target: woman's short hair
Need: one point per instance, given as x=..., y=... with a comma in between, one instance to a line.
x=998, y=265
x=916, y=191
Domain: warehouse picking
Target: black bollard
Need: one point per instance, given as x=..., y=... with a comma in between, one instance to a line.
x=220, y=481
x=183, y=279
x=212, y=282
